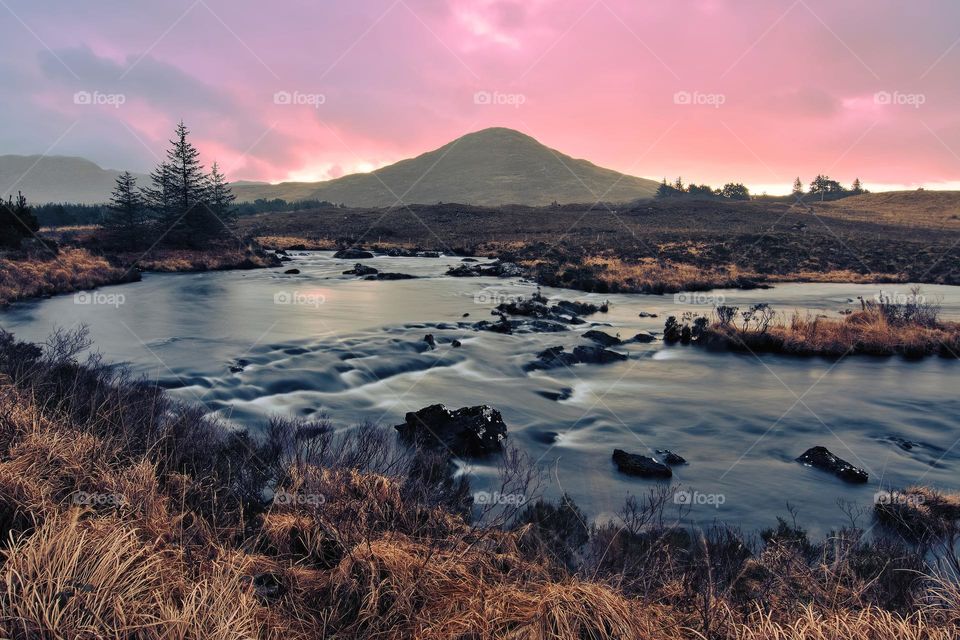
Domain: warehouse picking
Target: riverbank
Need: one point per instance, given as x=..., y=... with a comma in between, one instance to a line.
x=132, y=515
x=44, y=271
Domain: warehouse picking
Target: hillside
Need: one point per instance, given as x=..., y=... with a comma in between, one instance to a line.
x=933, y=209
x=489, y=167
x=56, y=179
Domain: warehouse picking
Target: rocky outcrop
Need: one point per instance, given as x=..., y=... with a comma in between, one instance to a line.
x=601, y=338
x=469, y=431
x=822, y=459
x=558, y=357
x=353, y=254
x=634, y=464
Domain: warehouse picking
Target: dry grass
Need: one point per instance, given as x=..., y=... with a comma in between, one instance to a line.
x=183, y=547
x=176, y=260
x=44, y=274
x=296, y=243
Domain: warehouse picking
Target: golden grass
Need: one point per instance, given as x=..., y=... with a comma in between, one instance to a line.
x=175, y=260
x=651, y=275
x=45, y=274
x=865, y=624
x=301, y=243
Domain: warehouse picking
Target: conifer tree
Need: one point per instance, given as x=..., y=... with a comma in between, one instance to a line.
x=125, y=214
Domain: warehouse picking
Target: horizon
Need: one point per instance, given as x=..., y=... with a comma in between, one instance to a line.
x=626, y=87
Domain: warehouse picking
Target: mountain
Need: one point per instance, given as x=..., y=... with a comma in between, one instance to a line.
x=57, y=179
x=489, y=167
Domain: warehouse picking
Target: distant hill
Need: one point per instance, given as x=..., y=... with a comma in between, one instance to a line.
x=918, y=208
x=56, y=179
x=489, y=167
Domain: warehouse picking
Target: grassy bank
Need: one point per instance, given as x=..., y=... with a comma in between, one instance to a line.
x=882, y=327
x=124, y=514
x=46, y=273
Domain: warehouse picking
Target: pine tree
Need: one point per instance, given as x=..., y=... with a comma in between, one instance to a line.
x=797, y=187
x=125, y=213
x=857, y=187
x=158, y=198
x=16, y=221
x=220, y=197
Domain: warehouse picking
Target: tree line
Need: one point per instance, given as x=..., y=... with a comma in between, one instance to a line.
x=824, y=185
x=183, y=206
x=730, y=191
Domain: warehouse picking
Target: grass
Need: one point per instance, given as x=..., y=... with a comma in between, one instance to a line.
x=126, y=515
x=882, y=328
x=46, y=273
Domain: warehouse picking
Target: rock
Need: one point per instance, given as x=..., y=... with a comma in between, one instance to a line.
x=428, y=254
x=644, y=314
x=239, y=365
x=469, y=260
x=558, y=357
x=670, y=457
x=390, y=276
x=496, y=269
x=577, y=308
x=281, y=252
x=286, y=259
x=466, y=315
x=292, y=272
x=469, y=431
x=634, y=464
x=430, y=340
x=601, y=338
x=822, y=459
x=353, y=254
x=643, y=337
x=456, y=344
x=543, y=326
x=360, y=270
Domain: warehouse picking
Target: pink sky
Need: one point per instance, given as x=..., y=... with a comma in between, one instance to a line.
x=713, y=90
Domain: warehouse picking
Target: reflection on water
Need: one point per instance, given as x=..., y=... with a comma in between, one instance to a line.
x=353, y=349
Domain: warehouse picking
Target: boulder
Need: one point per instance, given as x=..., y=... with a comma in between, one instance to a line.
x=469, y=431
x=643, y=337
x=353, y=254
x=360, y=270
x=456, y=344
x=292, y=272
x=430, y=340
x=602, y=338
x=634, y=464
x=597, y=355
x=390, y=276
x=822, y=459
x=577, y=308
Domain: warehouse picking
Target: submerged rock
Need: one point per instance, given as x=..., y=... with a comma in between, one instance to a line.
x=822, y=459
x=430, y=340
x=390, y=276
x=353, y=254
x=469, y=431
x=602, y=338
x=634, y=464
x=578, y=308
x=360, y=270
x=292, y=272
x=456, y=344
x=670, y=457
x=643, y=337
x=558, y=357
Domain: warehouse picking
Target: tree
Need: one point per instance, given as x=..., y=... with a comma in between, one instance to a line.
x=666, y=190
x=125, y=214
x=678, y=185
x=797, y=187
x=824, y=184
x=700, y=190
x=857, y=187
x=158, y=198
x=221, y=197
x=735, y=191
x=16, y=221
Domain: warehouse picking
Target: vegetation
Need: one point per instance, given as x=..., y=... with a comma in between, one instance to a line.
x=730, y=191
x=881, y=327
x=49, y=272
x=126, y=515
x=17, y=222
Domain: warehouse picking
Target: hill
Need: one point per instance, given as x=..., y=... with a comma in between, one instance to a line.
x=932, y=209
x=57, y=179
x=489, y=167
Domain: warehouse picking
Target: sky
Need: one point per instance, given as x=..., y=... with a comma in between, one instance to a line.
x=754, y=91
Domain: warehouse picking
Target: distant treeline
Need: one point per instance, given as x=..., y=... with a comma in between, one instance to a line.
x=822, y=187
x=68, y=214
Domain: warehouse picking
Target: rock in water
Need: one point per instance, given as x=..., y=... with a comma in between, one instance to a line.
x=643, y=337
x=360, y=269
x=822, y=459
x=634, y=464
x=601, y=338
x=670, y=457
x=430, y=340
x=469, y=431
x=353, y=254
x=292, y=272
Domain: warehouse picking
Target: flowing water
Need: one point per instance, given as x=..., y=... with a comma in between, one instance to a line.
x=326, y=343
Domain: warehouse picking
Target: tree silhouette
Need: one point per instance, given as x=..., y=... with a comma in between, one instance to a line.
x=16, y=221
x=125, y=216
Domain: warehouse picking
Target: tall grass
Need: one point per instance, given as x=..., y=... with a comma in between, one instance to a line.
x=126, y=515
x=50, y=273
